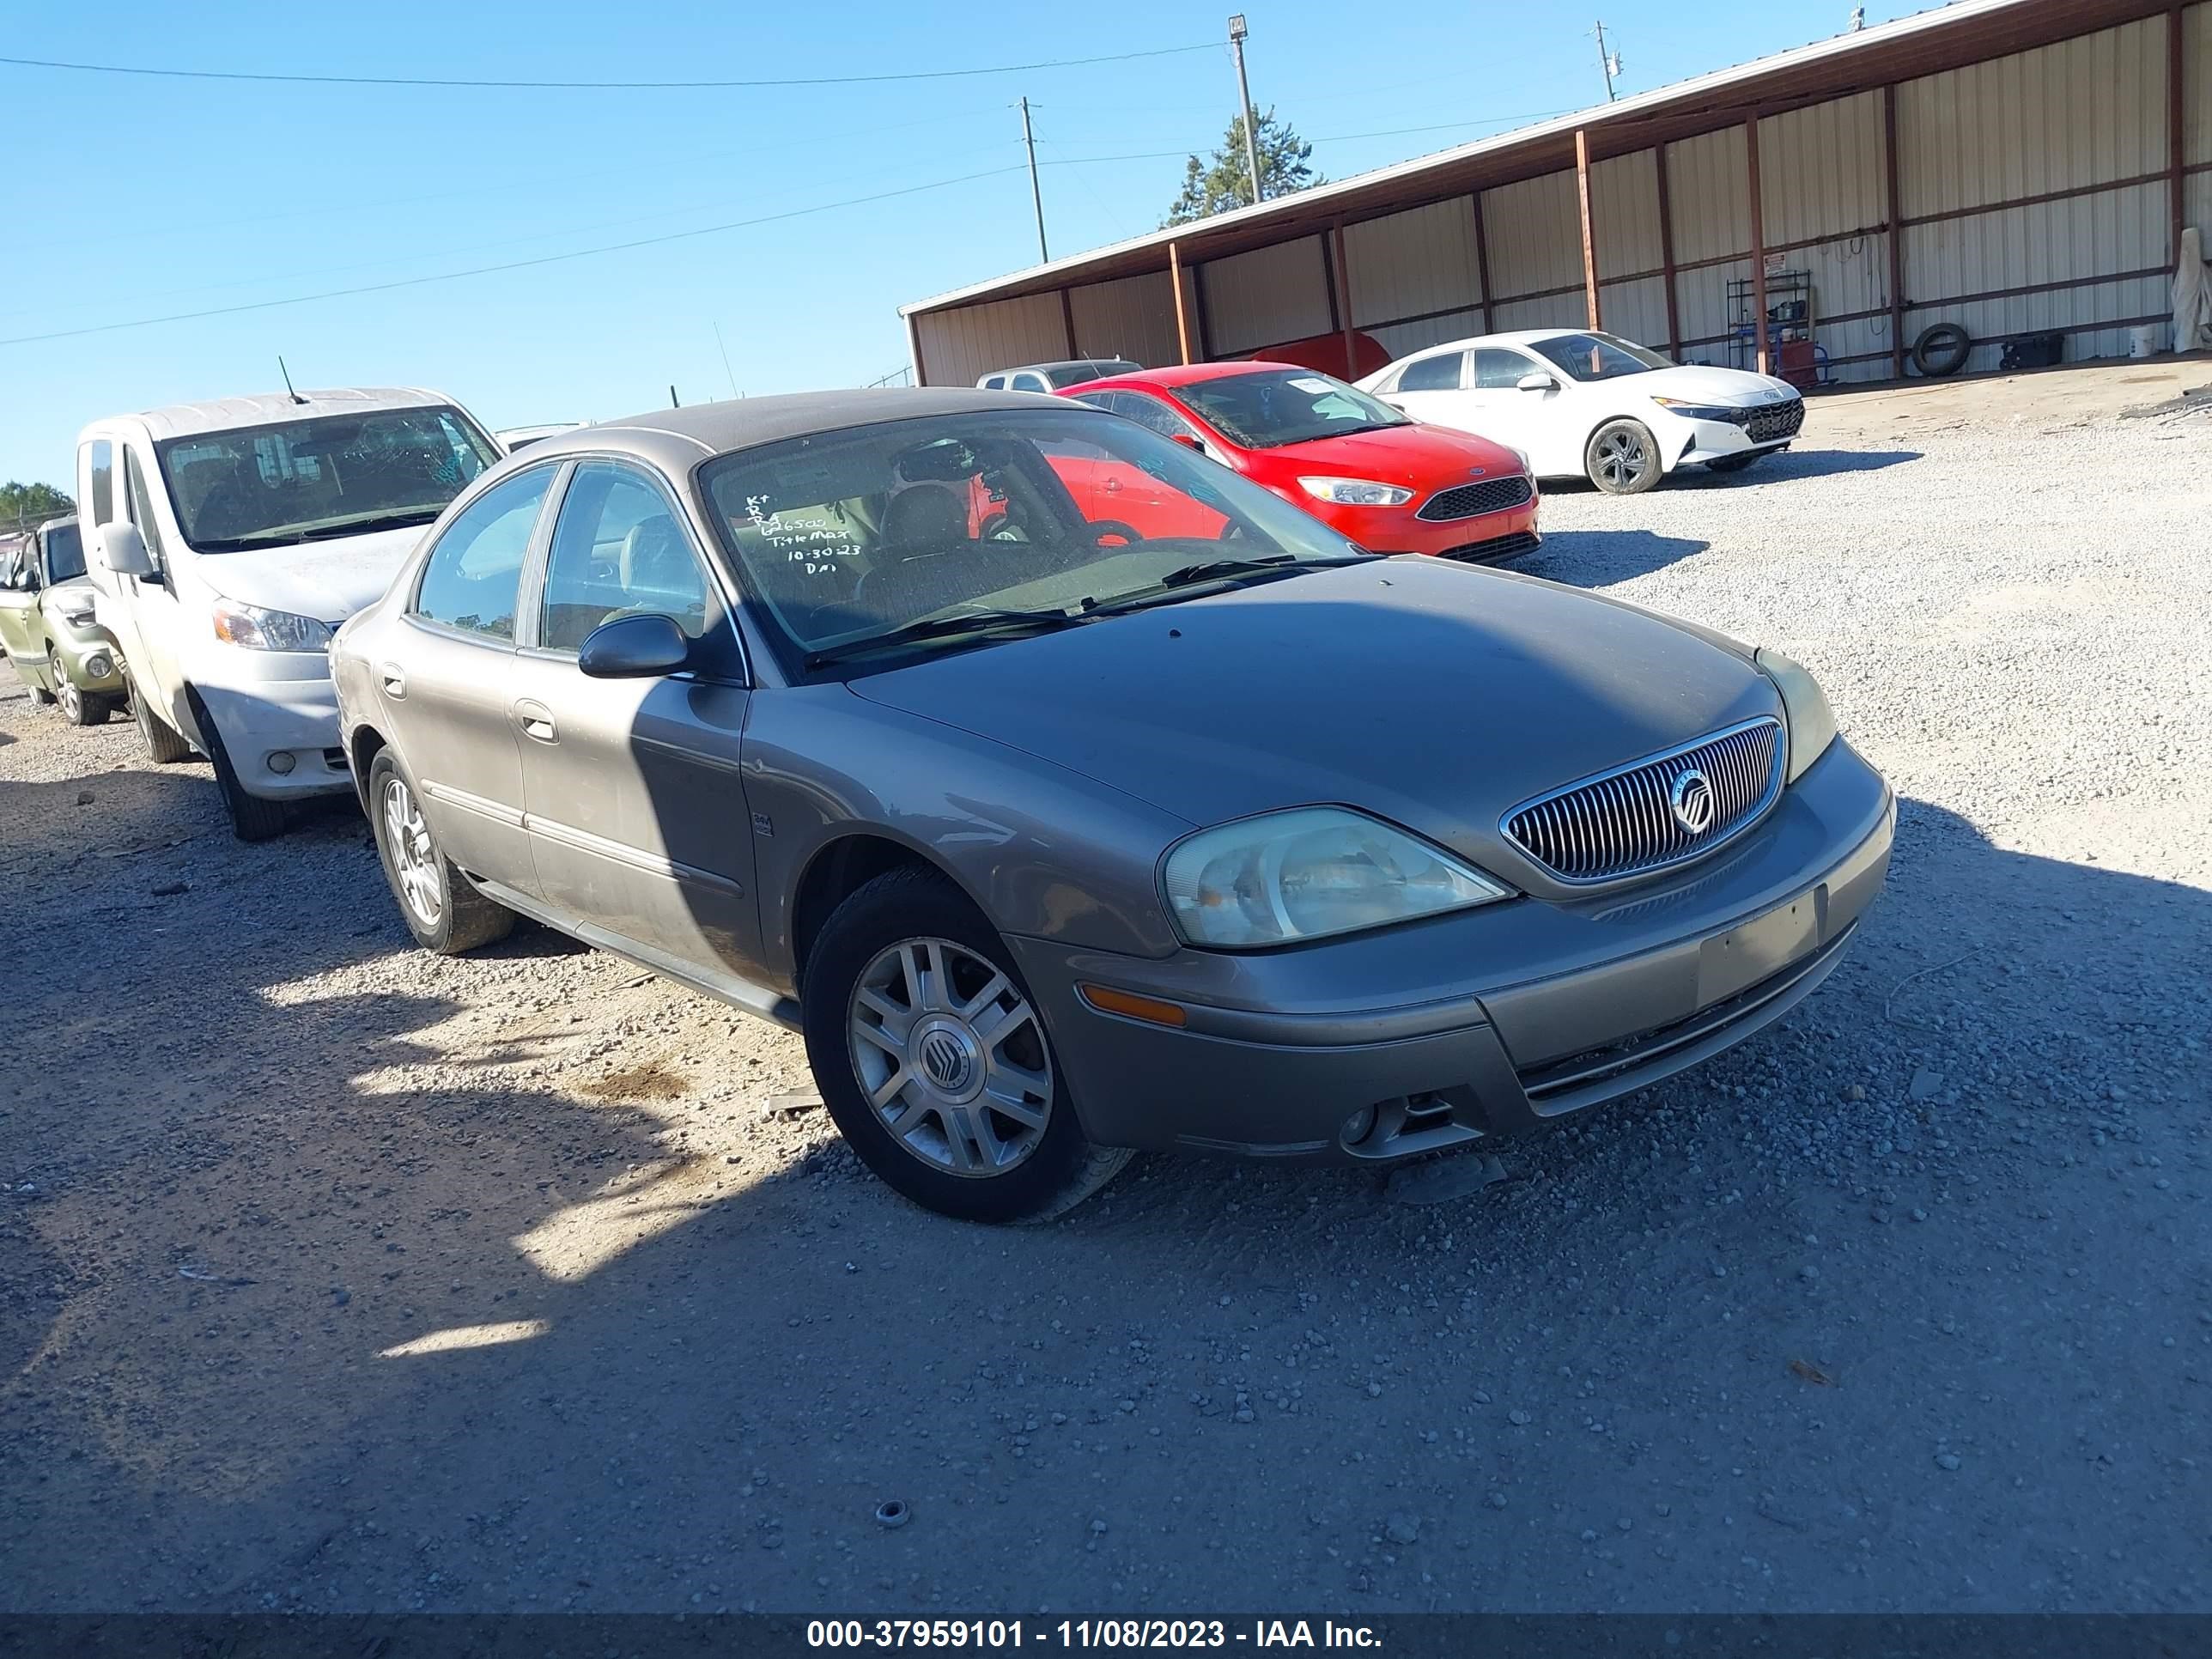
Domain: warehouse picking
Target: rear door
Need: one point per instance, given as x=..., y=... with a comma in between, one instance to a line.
x=636, y=805
x=1430, y=388
x=446, y=689
x=20, y=579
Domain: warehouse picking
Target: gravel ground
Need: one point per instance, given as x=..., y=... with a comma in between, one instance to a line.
x=1905, y=1305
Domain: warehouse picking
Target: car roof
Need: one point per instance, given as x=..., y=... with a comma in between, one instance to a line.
x=1064, y=362
x=281, y=408
x=680, y=439
x=1188, y=374
x=1514, y=337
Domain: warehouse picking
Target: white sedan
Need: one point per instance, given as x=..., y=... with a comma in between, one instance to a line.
x=1584, y=405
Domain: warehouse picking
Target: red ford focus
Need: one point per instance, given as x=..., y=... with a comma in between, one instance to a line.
x=1391, y=485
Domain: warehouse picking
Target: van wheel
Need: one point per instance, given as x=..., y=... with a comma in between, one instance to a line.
x=78, y=708
x=441, y=906
x=1622, y=458
x=252, y=818
x=933, y=1060
x=165, y=744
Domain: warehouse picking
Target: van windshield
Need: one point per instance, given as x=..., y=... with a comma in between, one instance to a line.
x=338, y=474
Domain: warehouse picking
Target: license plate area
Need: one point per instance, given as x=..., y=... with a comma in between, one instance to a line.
x=1734, y=961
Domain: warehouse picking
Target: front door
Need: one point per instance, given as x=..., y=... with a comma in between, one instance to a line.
x=446, y=705
x=636, y=807
x=162, y=609
x=117, y=602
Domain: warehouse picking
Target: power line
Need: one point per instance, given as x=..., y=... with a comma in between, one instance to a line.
x=511, y=264
x=592, y=86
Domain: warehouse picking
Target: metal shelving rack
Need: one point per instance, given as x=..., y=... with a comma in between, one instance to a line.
x=1791, y=352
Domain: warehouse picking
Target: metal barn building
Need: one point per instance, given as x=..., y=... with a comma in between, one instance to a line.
x=2015, y=167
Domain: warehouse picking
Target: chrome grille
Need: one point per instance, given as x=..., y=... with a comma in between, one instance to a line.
x=1468, y=500
x=1623, y=823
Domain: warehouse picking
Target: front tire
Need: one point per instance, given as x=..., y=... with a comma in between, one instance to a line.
x=1622, y=458
x=934, y=1062
x=252, y=818
x=78, y=708
x=165, y=744
x=441, y=906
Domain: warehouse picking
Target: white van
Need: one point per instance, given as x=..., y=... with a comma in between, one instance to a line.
x=227, y=540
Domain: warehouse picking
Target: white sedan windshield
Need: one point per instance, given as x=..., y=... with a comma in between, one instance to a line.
x=1598, y=356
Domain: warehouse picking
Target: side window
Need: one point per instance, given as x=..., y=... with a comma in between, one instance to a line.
x=618, y=550
x=1500, y=371
x=103, y=482
x=472, y=576
x=1438, y=374
x=140, y=509
x=994, y=383
x=1152, y=412
x=1031, y=383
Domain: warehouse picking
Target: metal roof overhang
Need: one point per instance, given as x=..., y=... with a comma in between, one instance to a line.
x=1926, y=43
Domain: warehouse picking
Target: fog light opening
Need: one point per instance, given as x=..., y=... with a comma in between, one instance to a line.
x=282, y=761
x=1358, y=1127
x=98, y=668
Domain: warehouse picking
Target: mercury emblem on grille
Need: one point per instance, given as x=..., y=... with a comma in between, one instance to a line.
x=1691, y=799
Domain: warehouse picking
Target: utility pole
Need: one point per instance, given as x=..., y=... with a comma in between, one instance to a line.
x=1237, y=33
x=1607, y=61
x=1036, y=195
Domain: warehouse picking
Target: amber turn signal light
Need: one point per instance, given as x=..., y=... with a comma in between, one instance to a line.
x=1150, y=1010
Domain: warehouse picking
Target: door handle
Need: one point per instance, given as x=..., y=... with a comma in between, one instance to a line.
x=537, y=721
x=395, y=683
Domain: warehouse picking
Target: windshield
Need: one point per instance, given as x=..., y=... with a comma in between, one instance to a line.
x=340, y=475
x=1599, y=356
x=1013, y=519
x=1271, y=407
x=64, y=553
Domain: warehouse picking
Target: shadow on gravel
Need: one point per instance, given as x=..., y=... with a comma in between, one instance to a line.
x=1790, y=465
x=1599, y=558
x=297, y=1335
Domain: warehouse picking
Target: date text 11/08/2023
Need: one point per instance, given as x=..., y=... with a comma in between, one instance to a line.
x=1086, y=1633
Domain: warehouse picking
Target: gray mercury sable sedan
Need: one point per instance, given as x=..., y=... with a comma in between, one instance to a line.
x=1073, y=795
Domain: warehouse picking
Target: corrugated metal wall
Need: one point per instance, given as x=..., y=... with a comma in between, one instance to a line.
x=2081, y=115
x=1266, y=297
x=958, y=346
x=1413, y=263
x=1134, y=318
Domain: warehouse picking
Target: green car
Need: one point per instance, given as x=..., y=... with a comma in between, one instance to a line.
x=47, y=630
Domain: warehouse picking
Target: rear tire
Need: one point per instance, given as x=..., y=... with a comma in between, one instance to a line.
x=932, y=1144
x=41, y=695
x=252, y=818
x=1732, y=463
x=441, y=906
x=1622, y=458
x=165, y=744
x=78, y=708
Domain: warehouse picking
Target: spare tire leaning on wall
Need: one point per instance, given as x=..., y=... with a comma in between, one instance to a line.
x=1941, y=349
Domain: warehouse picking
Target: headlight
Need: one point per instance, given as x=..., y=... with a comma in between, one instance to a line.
x=1355, y=492
x=1522, y=456
x=78, y=619
x=258, y=629
x=1805, y=710
x=1307, y=874
x=1697, y=411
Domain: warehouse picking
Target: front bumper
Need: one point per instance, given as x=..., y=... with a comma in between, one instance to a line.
x=1482, y=537
x=1480, y=1023
x=295, y=718
x=91, y=661
x=1757, y=430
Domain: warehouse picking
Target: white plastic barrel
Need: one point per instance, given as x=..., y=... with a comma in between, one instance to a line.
x=2147, y=341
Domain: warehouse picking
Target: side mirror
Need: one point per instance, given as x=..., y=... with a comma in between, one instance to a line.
x=1190, y=440
x=633, y=649
x=123, y=550
x=1536, y=380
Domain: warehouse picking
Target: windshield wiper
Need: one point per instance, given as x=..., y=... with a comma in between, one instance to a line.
x=1263, y=569
x=944, y=628
x=370, y=523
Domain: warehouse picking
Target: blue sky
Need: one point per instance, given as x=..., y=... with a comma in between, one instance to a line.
x=138, y=198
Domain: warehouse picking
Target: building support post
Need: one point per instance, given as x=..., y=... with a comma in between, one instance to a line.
x=914, y=351
x=1590, y=235
x=1894, y=168
x=2175, y=134
x=1482, y=260
x=1343, y=303
x=1182, y=311
x=1758, y=248
x=1667, y=253
x=1068, y=322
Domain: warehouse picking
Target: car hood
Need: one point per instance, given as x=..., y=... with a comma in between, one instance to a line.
x=1433, y=695
x=1697, y=383
x=1426, y=456
x=328, y=580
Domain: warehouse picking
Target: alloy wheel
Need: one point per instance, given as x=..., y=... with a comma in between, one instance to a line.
x=1622, y=458
x=951, y=1057
x=413, y=857
x=65, y=692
